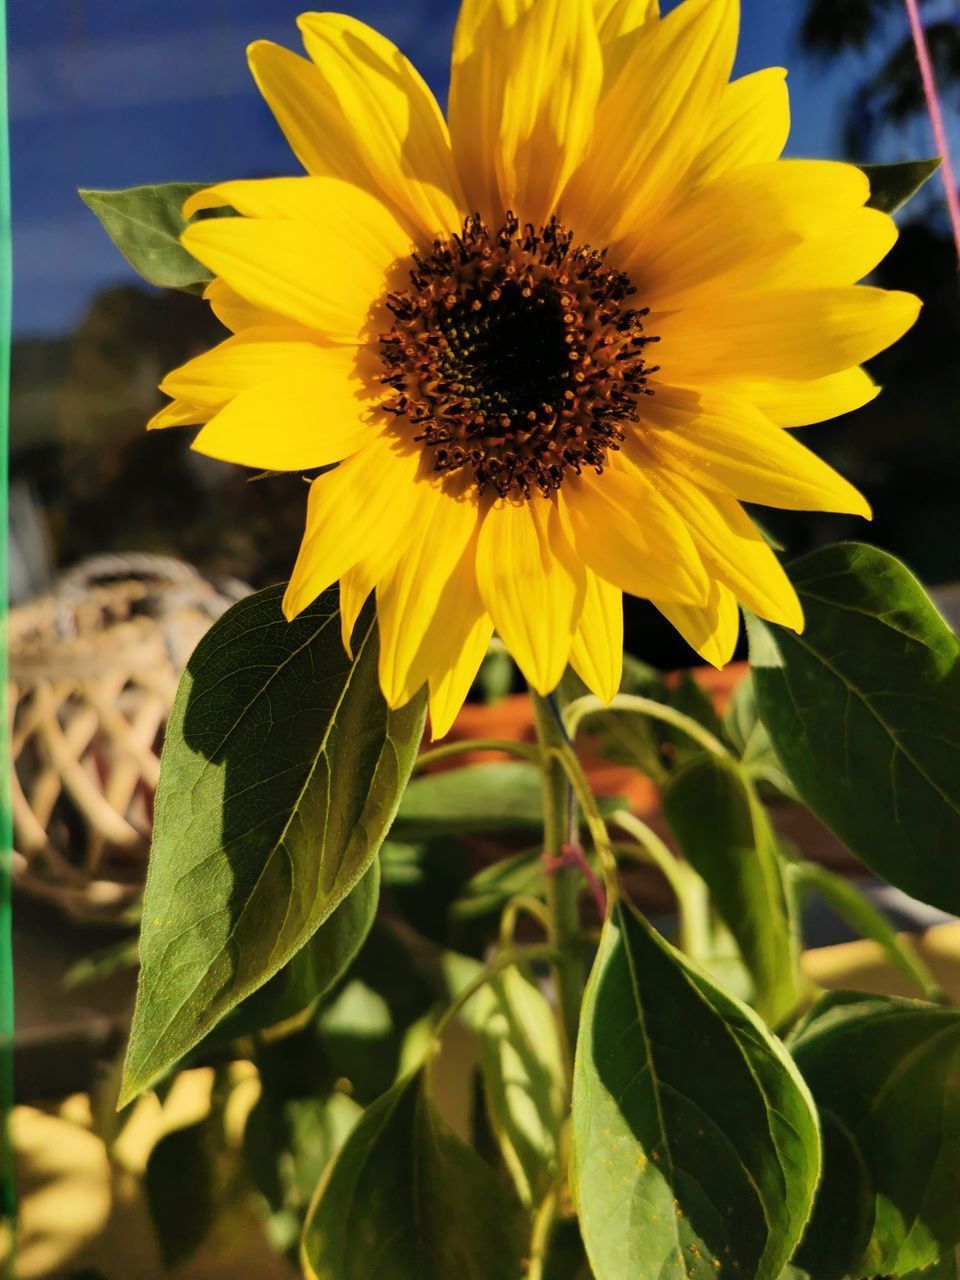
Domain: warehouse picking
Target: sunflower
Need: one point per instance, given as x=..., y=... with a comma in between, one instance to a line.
x=552, y=342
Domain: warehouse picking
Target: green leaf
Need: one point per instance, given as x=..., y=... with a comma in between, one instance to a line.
x=864, y=712
x=145, y=224
x=521, y=1064
x=948, y=1268
x=504, y=796
x=892, y=185
x=889, y=1070
x=492, y=887
x=179, y=1184
x=314, y=969
x=478, y=797
x=842, y=1220
x=407, y=1200
x=695, y=1142
x=288, y=1143
x=281, y=773
x=748, y=735
x=725, y=835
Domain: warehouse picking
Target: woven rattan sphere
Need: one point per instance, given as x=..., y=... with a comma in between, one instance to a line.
x=94, y=667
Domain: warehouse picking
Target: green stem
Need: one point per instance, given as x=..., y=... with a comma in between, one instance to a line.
x=599, y=835
x=688, y=887
x=562, y=883
x=521, y=749
x=543, y=1220
x=529, y=906
x=589, y=705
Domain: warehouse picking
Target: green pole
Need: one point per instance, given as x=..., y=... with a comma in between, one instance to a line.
x=7, y=1201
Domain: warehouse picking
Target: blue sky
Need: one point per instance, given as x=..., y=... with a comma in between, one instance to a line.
x=111, y=93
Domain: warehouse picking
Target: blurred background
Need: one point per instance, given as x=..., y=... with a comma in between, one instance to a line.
x=109, y=94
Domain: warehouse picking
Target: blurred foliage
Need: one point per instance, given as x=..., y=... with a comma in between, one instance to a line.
x=78, y=409
x=891, y=91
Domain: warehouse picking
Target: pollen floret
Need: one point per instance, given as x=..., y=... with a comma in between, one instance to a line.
x=515, y=355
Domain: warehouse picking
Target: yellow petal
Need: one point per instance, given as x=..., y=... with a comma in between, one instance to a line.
x=798, y=404
x=178, y=413
x=723, y=444
x=306, y=109
x=793, y=334
x=303, y=420
x=239, y=363
x=450, y=685
x=532, y=586
x=737, y=233
x=324, y=205
x=361, y=512
x=751, y=126
x=237, y=314
x=409, y=596
x=483, y=47
x=524, y=86
x=314, y=106
x=734, y=550
x=711, y=629
x=327, y=283
x=355, y=587
x=616, y=18
x=455, y=642
x=617, y=23
x=389, y=116
x=627, y=535
x=842, y=254
x=597, y=650
x=651, y=122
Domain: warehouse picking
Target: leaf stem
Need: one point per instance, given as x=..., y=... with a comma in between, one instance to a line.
x=543, y=1220
x=523, y=750
x=687, y=886
x=562, y=883
x=589, y=705
x=525, y=903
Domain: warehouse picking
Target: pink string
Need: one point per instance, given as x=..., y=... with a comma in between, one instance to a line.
x=571, y=855
x=936, y=117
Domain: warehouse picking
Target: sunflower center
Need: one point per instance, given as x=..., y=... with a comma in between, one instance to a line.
x=515, y=355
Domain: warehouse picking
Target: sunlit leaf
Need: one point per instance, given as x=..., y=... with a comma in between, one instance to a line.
x=863, y=709
x=695, y=1142
x=505, y=796
x=281, y=774
x=314, y=969
x=521, y=1064
x=145, y=224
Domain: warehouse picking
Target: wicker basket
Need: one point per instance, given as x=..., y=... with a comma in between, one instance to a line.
x=93, y=672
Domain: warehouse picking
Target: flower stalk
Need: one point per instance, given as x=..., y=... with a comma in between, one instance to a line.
x=562, y=875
